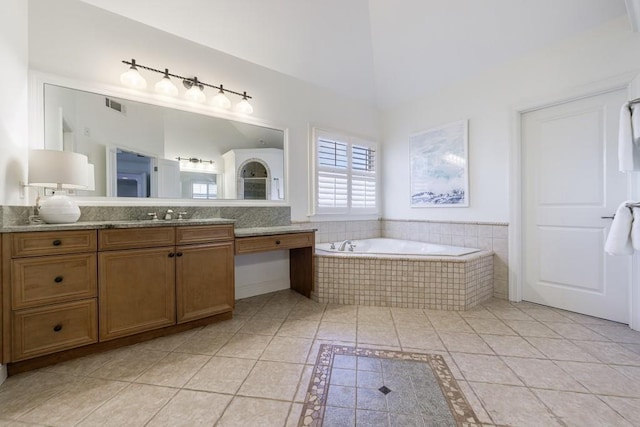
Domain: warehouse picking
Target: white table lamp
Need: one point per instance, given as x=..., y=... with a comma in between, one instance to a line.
x=60, y=170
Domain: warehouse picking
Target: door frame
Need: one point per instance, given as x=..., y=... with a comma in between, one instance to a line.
x=516, y=223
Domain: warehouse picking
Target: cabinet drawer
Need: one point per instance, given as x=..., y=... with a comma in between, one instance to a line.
x=45, y=330
x=129, y=238
x=47, y=280
x=247, y=245
x=52, y=243
x=203, y=234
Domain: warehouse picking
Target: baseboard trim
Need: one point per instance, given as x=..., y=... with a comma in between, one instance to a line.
x=253, y=289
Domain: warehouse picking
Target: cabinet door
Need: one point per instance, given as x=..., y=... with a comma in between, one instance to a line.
x=136, y=291
x=204, y=280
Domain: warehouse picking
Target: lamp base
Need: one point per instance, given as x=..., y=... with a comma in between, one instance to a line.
x=59, y=209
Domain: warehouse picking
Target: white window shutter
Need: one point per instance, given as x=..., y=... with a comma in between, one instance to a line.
x=363, y=192
x=332, y=190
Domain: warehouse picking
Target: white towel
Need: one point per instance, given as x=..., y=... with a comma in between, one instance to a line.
x=619, y=238
x=628, y=152
x=635, y=229
x=635, y=125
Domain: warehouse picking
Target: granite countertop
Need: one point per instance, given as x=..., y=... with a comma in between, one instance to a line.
x=93, y=225
x=269, y=231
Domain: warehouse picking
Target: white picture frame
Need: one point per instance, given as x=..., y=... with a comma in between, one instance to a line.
x=439, y=166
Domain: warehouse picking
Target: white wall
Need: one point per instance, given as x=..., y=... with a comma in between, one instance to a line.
x=76, y=40
x=13, y=104
x=13, y=101
x=489, y=101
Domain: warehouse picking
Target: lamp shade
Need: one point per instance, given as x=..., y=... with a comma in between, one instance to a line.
x=166, y=87
x=132, y=78
x=59, y=169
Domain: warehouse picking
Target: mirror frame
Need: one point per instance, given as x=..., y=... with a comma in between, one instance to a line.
x=38, y=79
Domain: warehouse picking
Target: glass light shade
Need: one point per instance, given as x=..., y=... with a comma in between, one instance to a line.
x=58, y=169
x=133, y=79
x=195, y=94
x=244, y=107
x=221, y=101
x=166, y=87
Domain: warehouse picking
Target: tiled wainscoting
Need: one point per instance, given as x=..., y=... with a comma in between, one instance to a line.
x=440, y=283
x=486, y=236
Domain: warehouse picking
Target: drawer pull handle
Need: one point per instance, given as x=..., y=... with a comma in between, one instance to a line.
x=277, y=242
x=57, y=328
x=171, y=255
x=57, y=242
x=58, y=279
x=179, y=254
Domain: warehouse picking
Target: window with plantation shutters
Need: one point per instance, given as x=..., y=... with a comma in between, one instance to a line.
x=345, y=174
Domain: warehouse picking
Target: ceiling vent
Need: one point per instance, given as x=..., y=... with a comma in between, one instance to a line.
x=115, y=105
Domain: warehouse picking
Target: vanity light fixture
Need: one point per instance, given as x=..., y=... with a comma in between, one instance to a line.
x=194, y=164
x=132, y=77
x=195, y=87
x=221, y=100
x=194, y=90
x=165, y=86
x=243, y=106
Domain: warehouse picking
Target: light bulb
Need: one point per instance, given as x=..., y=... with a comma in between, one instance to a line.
x=132, y=77
x=243, y=106
x=221, y=100
x=165, y=86
x=195, y=92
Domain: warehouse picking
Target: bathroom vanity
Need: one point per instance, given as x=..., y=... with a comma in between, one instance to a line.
x=81, y=288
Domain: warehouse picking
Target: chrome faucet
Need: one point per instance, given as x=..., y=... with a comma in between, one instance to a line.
x=343, y=244
x=168, y=214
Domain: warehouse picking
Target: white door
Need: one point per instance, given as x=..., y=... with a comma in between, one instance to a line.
x=571, y=181
x=166, y=179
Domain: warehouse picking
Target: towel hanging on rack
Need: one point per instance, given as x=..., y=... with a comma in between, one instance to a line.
x=628, y=144
x=619, y=238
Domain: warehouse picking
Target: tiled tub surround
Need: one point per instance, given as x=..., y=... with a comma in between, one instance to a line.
x=442, y=283
x=244, y=216
x=485, y=236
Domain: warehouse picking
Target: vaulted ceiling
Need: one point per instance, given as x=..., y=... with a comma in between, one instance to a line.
x=385, y=52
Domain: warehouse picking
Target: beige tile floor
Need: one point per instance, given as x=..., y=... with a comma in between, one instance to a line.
x=518, y=364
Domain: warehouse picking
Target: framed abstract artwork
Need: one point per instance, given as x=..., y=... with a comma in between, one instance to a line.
x=439, y=162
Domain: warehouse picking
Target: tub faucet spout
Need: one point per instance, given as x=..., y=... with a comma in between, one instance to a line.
x=343, y=245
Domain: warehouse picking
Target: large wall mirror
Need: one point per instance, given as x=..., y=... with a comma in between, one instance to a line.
x=141, y=150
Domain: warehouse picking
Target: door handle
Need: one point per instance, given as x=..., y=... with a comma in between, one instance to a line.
x=608, y=217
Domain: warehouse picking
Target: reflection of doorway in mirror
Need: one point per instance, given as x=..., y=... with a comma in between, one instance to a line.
x=132, y=185
x=129, y=173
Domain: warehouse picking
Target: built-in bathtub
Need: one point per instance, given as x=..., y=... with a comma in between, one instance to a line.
x=423, y=276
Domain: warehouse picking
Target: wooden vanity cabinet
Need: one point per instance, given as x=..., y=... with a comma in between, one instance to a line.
x=136, y=290
x=301, y=248
x=49, y=292
x=205, y=274
x=189, y=276
x=70, y=293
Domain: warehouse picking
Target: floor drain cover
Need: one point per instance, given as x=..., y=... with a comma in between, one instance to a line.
x=384, y=389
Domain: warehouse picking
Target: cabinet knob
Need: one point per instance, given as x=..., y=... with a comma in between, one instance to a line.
x=171, y=255
x=57, y=328
x=57, y=242
x=179, y=254
x=58, y=279
x=277, y=242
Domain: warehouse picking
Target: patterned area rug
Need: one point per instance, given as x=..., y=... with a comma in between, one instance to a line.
x=355, y=386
